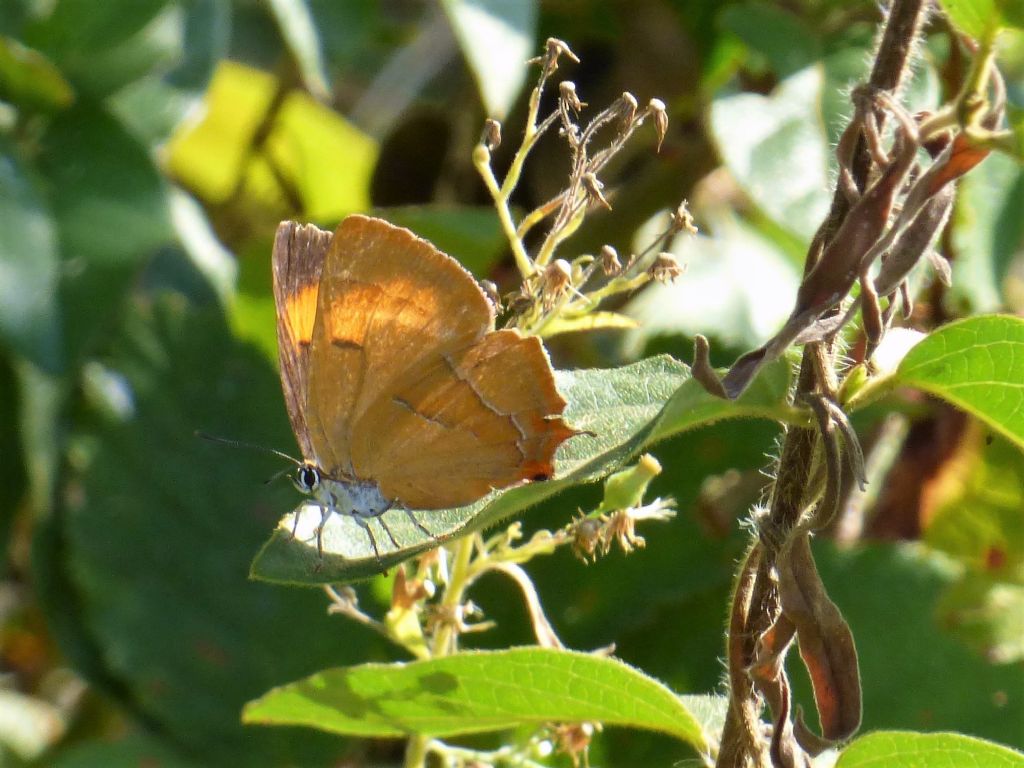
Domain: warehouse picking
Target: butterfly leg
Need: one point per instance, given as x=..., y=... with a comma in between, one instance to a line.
x=387, y=530
x=417, y=523
x=325, y=512
x=369, y=534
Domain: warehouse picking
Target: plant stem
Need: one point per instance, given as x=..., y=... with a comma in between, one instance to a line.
x=416, y=752
x=458, y=580
x=754, y=602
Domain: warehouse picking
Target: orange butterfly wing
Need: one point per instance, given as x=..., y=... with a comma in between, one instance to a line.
x=298, y=258
x=408, y=385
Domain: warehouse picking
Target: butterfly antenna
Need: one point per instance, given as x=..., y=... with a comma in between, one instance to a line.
x=253, y=446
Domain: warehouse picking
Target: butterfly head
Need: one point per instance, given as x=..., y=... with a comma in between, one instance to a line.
x=307, y=478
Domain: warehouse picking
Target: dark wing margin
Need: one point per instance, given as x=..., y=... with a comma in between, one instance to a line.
x=298, y=260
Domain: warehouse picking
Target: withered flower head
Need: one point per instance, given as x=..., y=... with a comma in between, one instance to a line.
x=665, y=268
x=556, y=280
x=682, y=220
x=593, y=186
x=626, y=107
x=567, y=93
x=657, y=109
x=492, y=134
x=610, y=261
x=552, y=50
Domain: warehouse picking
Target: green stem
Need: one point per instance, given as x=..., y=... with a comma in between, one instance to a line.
x=416, y=752
x=458, y=580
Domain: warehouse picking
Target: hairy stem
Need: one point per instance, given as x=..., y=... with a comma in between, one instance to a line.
x=754, y=609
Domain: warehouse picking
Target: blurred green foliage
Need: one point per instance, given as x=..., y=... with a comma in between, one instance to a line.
x=148, y=148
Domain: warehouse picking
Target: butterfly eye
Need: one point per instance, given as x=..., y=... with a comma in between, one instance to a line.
x=308, y=479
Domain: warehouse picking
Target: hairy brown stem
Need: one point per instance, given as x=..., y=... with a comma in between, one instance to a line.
x=755, y=602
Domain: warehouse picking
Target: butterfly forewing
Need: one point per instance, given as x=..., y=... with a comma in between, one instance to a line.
x=389, y=302
x=298, y=258
x=401, y=378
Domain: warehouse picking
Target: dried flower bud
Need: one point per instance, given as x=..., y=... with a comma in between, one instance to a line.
x=621, y=524
x=573, y=739
x=556, y=280
x=593, y=187
x=665, y=268
x=492, y=134
x=552, y=50
x=626, y=106
x=586, y=537
x=491, y=292
x=682, y=220
x=610, y=263
x=657, y=109
x=405, y=592
x=567, y=93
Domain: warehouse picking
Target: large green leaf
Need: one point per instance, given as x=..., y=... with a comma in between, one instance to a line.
x=987, y=234
x=619, y=412
x=144, y=569
x=29, y=314
x=775, y=148
x=905, y=749
x=475, y=692
x=496, y=38
x=978, y=365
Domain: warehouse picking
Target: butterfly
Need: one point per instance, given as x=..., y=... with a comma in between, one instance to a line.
x=401, y=393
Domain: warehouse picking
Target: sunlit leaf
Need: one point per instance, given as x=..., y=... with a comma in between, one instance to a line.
x=904, y=749
x=496, y=37
x=978, y=365
x=775, y=147
x=475, y=692
x=977, y=18
x=317, y=155
x=620, y=410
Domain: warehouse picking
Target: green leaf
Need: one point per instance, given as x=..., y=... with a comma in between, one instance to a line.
x=133, y=751
x=775, y=148
x=781, y=37
x=298, y=29
x=29, y=313
x=158, y=516
x=978, y=365
x=325, y=161
x=987, y=615
x=497, y=38
x=30, y=79
x=905, y=749
x=620, y=410
x=977, y=18
x=987, y=233
x=109, y=199
x=476, y=692
x=101, y=47
x=977, y=519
